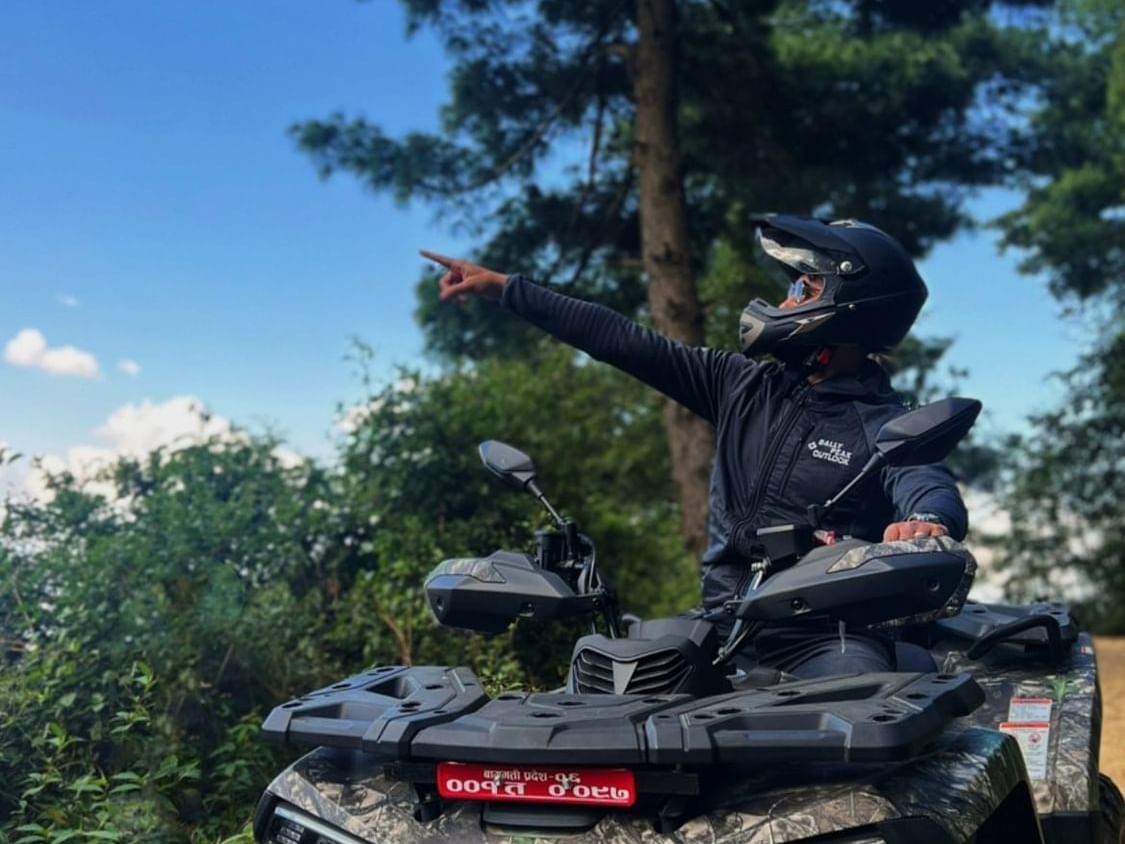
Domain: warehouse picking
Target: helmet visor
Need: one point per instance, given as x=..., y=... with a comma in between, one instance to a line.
x=803, y=258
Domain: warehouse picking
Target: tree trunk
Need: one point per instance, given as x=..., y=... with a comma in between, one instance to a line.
x=666, y=248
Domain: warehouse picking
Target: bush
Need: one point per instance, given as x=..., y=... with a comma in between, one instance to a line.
x=145, y=637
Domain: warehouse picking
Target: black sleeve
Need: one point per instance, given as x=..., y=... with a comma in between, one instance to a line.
x=693, y=377
x=927, y=489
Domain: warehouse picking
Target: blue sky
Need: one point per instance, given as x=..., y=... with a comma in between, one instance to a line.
x=145, y=171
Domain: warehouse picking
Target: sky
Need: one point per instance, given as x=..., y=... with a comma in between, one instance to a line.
x=165, y=247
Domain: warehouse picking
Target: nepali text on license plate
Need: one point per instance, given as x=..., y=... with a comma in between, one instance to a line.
x=583, y=786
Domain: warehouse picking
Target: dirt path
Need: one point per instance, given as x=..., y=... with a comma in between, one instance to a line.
x=1111, y=675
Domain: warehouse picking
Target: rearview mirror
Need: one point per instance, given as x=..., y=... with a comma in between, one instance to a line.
x=928, y=434
x=509, y=464
x=925, y=435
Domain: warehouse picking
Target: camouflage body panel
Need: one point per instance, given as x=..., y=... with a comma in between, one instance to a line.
x=956, y=787
x=1071, y=781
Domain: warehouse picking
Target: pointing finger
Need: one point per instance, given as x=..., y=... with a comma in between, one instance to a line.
x=444, y=260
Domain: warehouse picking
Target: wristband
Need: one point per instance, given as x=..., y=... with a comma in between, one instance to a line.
x=932, y=518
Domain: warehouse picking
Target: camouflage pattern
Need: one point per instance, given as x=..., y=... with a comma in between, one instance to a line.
x=1071, y=784
x=478, y=568
x=958, y=786
x=861, y=554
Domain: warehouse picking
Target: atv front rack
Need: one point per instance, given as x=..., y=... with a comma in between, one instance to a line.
x=431, y=714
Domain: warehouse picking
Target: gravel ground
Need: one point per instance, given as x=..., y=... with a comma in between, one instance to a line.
x=1111, y=675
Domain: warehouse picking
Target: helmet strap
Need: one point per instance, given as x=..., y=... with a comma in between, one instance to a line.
x=808, y=361
x=818, y=360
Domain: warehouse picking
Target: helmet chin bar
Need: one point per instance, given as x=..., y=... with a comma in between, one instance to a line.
x=766, y=328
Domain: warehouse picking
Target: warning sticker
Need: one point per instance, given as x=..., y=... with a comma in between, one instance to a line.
x=1033, y=740
x=1027, y=710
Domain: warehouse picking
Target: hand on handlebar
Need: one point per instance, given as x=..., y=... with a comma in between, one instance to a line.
x=911, y=530
x=464, y=277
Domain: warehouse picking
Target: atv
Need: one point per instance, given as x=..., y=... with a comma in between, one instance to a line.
x=988, y=731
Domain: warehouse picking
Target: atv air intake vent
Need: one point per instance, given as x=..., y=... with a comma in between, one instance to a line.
x=661, y=657
x=659, y=673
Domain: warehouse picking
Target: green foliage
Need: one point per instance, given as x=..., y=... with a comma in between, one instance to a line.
x=891, y=112
x=1067, y=486
x=1072, y=225
x=1066, y=491
x=138, y=632
x=144, y=637
x=90, y=770
x=594, y=433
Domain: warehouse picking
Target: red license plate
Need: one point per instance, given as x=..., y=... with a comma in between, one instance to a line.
x=585, y=786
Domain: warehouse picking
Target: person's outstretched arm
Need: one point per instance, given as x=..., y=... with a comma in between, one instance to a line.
x=694, y=377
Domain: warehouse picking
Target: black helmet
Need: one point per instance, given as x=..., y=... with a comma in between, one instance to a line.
x=872, y=290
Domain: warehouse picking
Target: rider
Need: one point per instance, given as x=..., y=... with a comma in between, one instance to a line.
x=790, y=431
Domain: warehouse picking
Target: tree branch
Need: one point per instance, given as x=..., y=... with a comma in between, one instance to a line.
x=403, y=638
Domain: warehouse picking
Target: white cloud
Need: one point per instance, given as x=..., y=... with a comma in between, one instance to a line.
x=136, y=429
x=26, y=348
x=129, y=367
x=67, y=300
x=133, y=430
x=29, y=348
x=85, y=462
x=67, y=360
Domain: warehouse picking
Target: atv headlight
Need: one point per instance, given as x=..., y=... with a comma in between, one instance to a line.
x=288, y=826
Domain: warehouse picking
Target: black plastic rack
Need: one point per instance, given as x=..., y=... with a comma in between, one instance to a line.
x=431, y=714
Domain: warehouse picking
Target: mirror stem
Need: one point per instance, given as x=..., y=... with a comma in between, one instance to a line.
x=538, y=493
x=570, y=531
x=741, y=630
x=817, y=512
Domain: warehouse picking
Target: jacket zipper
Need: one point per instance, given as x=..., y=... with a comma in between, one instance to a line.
x=801, y=393
x=772, y=454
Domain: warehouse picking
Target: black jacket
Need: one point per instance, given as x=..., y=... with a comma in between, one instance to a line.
x=781, y=443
